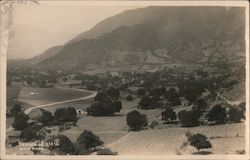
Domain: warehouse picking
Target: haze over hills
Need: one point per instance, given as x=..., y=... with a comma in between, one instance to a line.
x=153, y=36
x=28, y=40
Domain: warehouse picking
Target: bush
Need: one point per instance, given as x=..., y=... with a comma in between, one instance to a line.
x=20, y=121
x=16, y=110
x=46, y=117
x=189, y=118
x=130, y=98
x=168, y=114
x=136, y=121
x=217, y=114
x=86, y=142
x=199, y=141
x=28, y=134
x=235, y=114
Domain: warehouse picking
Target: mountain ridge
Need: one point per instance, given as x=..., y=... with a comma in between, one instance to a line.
x=183, y=34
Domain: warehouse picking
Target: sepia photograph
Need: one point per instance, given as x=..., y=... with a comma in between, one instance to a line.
x=141, y=79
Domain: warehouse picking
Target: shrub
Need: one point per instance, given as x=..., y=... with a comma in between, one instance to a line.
x=135, y=120
x=46, y=117
x=28, y=134
x=217, y=114
x=199, y=141
x=86, y=142
x=16, y=110
x=130, y=97
x=235, y=114
x=189, y=118
x=20, y=121
x=168, y=114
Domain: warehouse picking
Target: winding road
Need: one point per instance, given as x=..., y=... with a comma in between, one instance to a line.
x=28, y=110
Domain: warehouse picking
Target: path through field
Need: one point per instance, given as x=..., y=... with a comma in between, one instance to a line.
x=28, y=110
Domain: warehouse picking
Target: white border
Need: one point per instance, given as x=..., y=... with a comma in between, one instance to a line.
x=135, y=157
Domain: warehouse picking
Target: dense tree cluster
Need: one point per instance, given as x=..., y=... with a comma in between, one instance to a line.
x=106, y=103
x=85, y=144
x=189, y=118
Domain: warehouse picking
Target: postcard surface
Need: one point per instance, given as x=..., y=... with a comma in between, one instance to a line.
x=124, y=80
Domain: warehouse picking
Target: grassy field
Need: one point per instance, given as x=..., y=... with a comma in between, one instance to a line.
x=225, y=139
x=163, y=139
x=29, y=97
x=40, y=96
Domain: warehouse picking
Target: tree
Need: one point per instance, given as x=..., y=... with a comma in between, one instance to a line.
x=130, y=97
x=199, y=141
x=173, y=97
x=46, y=117
x=141, y=92
x=86, y=142
x=117, y=105
x=135, y=120
x=235, y=114
x=145, y=102
x=28, y=134
x=102, y=97
x=200, y=104
x=189, y=118
x=217, y=114
x=113, y=93
x=20, y=121
x=66, y=114
x=16, y=109
x=168, y=114
x=62, y=145
x=60, y=114
x=242, y=106
x=71, y=115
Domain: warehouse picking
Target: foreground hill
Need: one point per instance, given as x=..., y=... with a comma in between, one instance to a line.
x=153, y=37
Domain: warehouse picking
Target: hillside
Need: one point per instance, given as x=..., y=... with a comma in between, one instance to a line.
x=155, y=36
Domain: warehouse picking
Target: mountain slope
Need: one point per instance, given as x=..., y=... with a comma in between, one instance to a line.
x=169, y=34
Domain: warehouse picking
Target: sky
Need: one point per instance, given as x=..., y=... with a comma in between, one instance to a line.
x=36, y=28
